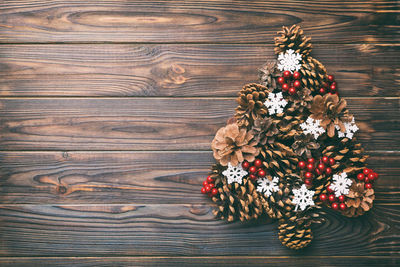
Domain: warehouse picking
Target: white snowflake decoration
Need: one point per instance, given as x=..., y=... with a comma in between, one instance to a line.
x=341, y=184
x=267, y=186
x=275, y=103
x=303, y=197
x=234, y=173
x=351, y=129
x=289, y=61
x=311, y=126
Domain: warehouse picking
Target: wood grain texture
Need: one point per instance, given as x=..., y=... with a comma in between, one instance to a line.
x=180, y=70
x=201, y=261
x=181, y=230
x=133, y=177
x=155, y=124
x=195, y=21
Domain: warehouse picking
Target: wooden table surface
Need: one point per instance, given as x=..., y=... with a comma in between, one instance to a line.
x=108, y=108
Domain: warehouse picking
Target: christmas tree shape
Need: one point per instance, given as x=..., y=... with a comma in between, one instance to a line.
x=291, y=148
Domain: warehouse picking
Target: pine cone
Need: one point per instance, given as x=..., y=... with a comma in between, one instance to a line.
x=299, y=101
x=293, y=38
x=268, y=75
x=264, y=130
x=331, y=112
x=236, y=201
x=251, y=104
x=233, y=144
x=304, y=144
x=313, y=73
x=279, y=159
x=359, y=200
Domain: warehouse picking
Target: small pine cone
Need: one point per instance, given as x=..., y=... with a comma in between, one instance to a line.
x=313, y=74
x=279, y=159
x=304, y=145
x=268, y=75
x=294, y=236
x=293, y=38
x=359, y=200
x=251, y=104
x=235, y=201
x=288, y=124
x=299, y=101
x=279, y=205
x=264, y=130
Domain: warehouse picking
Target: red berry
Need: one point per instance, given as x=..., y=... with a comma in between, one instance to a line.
x=287, y=74
x=285, y=87
x=208, y=188
x=360, y=176
x=292, y=90
x=261, y=173
x=253, y=169
x=210, y=179
x=341, y=198
x=368, y=186
x=371, y=176
x=323, y=197
x=310, y=166
x=322, y=91
x=321, y=166
x=367, y=180
x=311, y=160
x=302, y=164
x=331, y=197
x=331, y=78
x=325, y=159
x=296, y=84
x=296, y=75
x=258, y=163
x=376, y=176
x=329, y=189
x=335, y=206
x=328, y=170
x=333, y=88
x=342, y=206
x=331, y=161
x=245, y=165
x=308, y=175
x=252, y=177
x=318, y=171
x=211, y=185
x=366, y=171
x=308, y=181
x=205, y=183
x=203, y=190
x=214, y=191
x=281, y=80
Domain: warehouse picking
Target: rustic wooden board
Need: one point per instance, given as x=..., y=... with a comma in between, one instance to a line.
x=194, y=21
x=133, y=177
x=201, y=261
x=154, y=123
x=180, y=70
x=181, y=230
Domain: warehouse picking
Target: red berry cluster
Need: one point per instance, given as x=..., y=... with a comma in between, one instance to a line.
x=335, y=202
x=209, y=187
x=313, y=167
x=368, y=176
x=329, y=87
x=255, y=169
x=290, y=82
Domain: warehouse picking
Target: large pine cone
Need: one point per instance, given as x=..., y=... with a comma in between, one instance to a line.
x=359, y=200
x=251, y=104
x=235, y=201
x=313, y=73
x=268, y=75
x=233, y=144
x=293, y=38
x=279, y=159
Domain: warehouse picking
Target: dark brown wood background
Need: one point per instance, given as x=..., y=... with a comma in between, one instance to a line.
x=108, y=108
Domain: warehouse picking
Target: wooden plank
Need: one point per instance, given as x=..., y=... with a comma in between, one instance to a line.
x=200, y=261
x=180, y=70
x=132, y=177
x=154, y=124
x=180, y=230
x=194, y=21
